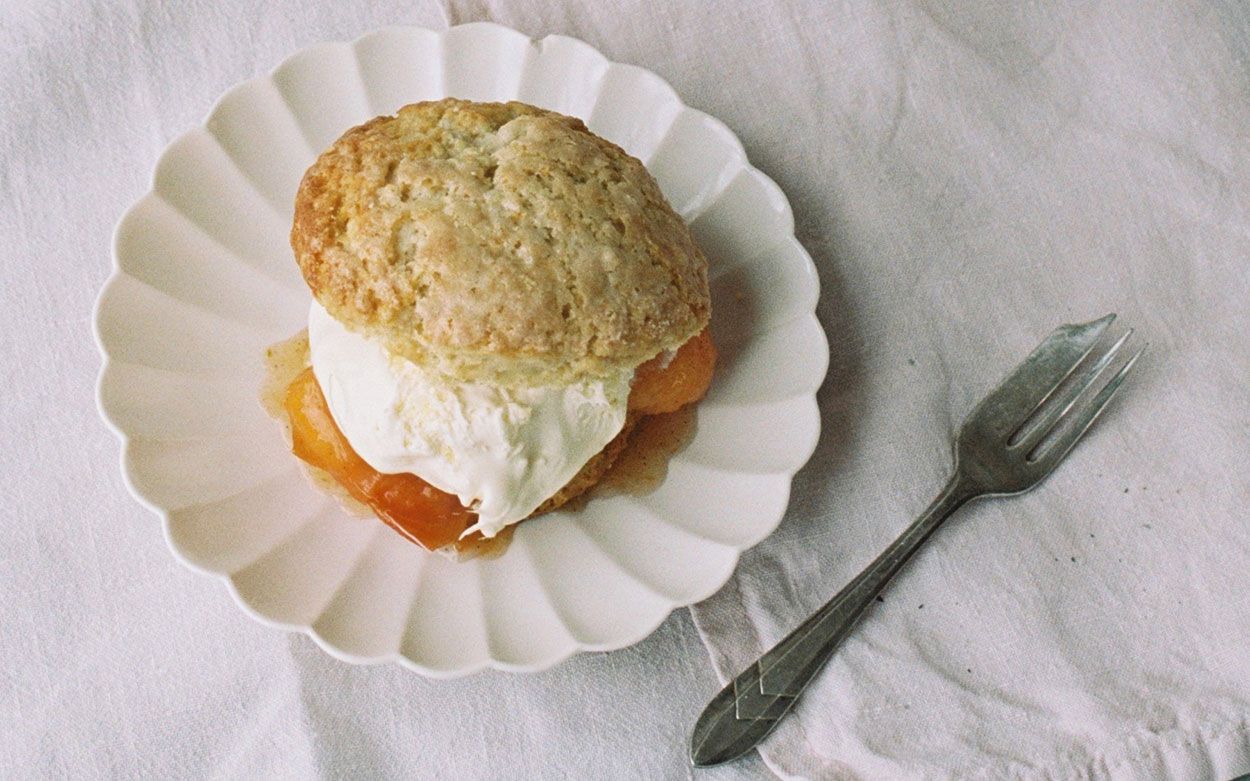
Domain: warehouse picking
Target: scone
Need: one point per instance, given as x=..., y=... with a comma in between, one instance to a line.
x=499, y=295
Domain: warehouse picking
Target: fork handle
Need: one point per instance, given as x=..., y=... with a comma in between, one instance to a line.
x=748, y=709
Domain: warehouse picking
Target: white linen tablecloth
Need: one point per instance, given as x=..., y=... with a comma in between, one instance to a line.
x=966, y=176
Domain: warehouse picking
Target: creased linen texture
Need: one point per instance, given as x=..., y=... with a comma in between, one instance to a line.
x=990, y=175
x=966, y=175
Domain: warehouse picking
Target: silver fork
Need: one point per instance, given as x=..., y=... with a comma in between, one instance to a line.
x=1013, y=439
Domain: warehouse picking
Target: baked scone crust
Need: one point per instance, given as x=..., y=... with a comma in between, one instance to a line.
x=498, y=242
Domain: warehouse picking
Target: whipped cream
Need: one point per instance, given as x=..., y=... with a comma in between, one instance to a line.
x=502, y=451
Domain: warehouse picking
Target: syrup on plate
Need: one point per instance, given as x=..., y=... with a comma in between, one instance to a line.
x=643, y=464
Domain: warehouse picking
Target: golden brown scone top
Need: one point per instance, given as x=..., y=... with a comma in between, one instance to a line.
x=498, y=243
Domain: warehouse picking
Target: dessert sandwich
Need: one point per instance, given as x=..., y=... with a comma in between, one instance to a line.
x=499, y=297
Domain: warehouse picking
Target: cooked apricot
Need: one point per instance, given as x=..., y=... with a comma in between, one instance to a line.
x=660, y=388
x=413, y=507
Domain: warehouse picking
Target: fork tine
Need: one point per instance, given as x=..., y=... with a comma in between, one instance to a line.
x=1030, y=433
x=1066, y=439
x=1032, y=382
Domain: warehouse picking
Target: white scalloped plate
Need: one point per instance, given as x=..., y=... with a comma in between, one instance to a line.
x=205, y=281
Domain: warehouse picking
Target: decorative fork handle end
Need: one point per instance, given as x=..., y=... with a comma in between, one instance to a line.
x=736, y=720
x=748, y=709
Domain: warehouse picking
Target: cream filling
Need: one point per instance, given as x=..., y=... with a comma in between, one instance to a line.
x=502, y=451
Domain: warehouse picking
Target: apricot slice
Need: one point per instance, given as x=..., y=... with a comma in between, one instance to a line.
x=413, y=507
x=660, y=388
